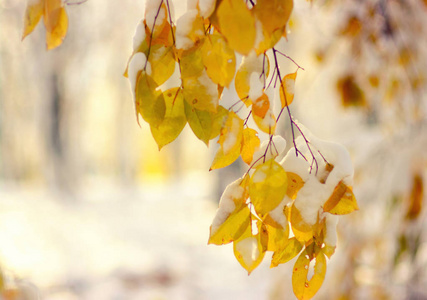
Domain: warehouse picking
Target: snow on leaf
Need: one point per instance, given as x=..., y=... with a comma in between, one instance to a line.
x=230, y=140
x=250, y=143
x=206, y=7
x=250, y=64
x=267, y=187
x=219, y=59
x=266, y=124
x=305, y=289
x=149, y=102
x=56, y=22
x=287, y=89
x=232, y=217
x=237, y=24
x=302, y=231
x=189, y=29
x=342, y=201
x=174, y=120
x=157, y=21
x=162, y=62
x=275, y=148
x=261, y=106
x=288, y=251
x=218, y=121
x=249, y=248
x=33, y=13
x=295, y=183
x=200, y=92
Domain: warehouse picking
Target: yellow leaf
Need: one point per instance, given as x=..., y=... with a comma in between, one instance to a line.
x=273, y=14
x=286, y=253
x=219, y=59
x=174, y=120
x=33, y=13
x=200, y=122
x=277, y=237
x=249, y=248
x=56, y=22
x=268, y=41
x=200, y=92
x=302, y=231
x=342, y=201
x=191, y=62
x=250, y=144
x=237, y=24
x=305, y=289
x=218, y=121
x=287, y=89
x=149, y=102
x=267, y=187
x=232, y=228
x=295, y=183
x=261, y=106
x=162, y=63
x=230, y=141
x=266, y=124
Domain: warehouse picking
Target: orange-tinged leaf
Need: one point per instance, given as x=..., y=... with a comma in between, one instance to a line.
x=342, y=201
x=250, y=64
x=261, y=106
x=416, y=198
x=232, y=228
x=162, y=63
x=149, y=102
x=56, y=22
x=351, y=93
x=287, y=89
x=158, y=30
x=268, y=41
x=174, y=120
x=250, y=144
x=250, y=248
x=273, y=14
x=267, y=187
x=200, y=122
x=33, y=13
x=305, y=289
x=237, y=24
x=219, y=59
x=295, y=183
x=284, y=254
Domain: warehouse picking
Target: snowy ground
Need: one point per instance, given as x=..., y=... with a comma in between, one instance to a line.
x=114, y=243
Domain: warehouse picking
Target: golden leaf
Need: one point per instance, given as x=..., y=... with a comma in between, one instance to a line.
x=305, y=289
x=284, y=254
x=33, y=13
x=250, y=143
x=162, y=63
x=342, y=201
x=295, y=183
x=200, y=122
x=416, y=198
x=277, y=237
x=219, y=59
x=267, y=187
x=200, y=92
x=302, y=231
x=237, y=24
x=287, y=89
x=56, y=22
x=174, y=121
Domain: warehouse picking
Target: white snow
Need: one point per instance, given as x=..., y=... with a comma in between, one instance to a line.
x=139, y=36
x=136, y=64
x=152, y=10
x=211, y=87
x=184, y=25
x=296, y=164
x=259, y=35
x=227, y=204
x=231, y=138
x=255, y=86
x=206, y=7
x=259, y=176
x=248, y=248
x=278, y=215
x=331, y=229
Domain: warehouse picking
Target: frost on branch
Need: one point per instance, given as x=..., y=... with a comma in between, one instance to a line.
x=289, y=207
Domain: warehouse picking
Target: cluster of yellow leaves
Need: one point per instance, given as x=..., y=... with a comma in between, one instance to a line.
x=263, y=215
x=55, y=20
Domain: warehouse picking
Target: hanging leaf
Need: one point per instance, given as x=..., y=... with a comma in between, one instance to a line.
x=250, y=144
x=232, y=228
x=237, y=24
x=250, y=248
x=200, y=122
x=302, y=231
x=219, y=59
x=305, y=289
x=218, y=121
x=162, y=62
x=33, y=13
x=273, y=14
x=174, y=120
x=267, y=187
x=277, y=237
x=200, y=92
x=284, y=254
x=230, y=140
x=149, y=101
x=287, y=89
x=295, y=183
x=56, y=22
x=342, y=201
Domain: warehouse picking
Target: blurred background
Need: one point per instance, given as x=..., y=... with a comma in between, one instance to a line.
x=90, y=209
